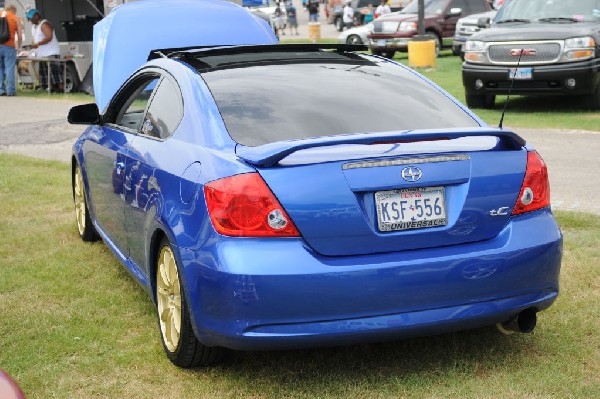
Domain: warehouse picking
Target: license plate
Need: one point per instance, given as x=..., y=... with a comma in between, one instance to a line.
x=411, y=208
x=381, y=43
x=520, y=73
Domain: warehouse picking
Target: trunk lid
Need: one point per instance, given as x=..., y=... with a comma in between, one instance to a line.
x=354, y=198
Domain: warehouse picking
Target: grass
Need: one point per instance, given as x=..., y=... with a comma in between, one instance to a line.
x=74, y=324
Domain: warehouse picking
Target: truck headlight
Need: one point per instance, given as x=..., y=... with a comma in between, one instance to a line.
x=408, y=26
x=474, y=45
x=474, y=51
x=580, y=43
x=579, y=48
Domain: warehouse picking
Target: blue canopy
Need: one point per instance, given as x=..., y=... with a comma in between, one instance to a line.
x=124, y=39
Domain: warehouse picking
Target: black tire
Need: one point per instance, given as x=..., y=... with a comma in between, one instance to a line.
x=182, y=347
x=353, y=39
x=339, y=24
x=592, y=101
x=438, y=42
x=480, y=101
x=72, y=81
x=85, y=227
x=388, y=54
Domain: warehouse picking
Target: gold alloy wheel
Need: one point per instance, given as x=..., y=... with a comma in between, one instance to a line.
x=168, y=295
x=79, y=201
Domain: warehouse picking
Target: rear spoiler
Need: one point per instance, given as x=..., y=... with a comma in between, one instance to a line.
x=207, y=51
x=270, y=154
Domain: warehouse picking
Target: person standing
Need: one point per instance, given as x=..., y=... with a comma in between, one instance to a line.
x=292, y=17
x=368, y=14
x=348, y=15
x=278, y=20
x=46, y=45
x=8, y=52
x=382, y=9
x=313, y=10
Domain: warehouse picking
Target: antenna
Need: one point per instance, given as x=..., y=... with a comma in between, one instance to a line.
x=512, y=83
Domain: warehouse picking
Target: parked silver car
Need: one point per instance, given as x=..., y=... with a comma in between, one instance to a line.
x=356, y=35
x=359, y=34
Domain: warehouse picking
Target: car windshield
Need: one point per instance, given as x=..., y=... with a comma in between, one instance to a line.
x=431, y=7
x=268, y=97
x=550, y=11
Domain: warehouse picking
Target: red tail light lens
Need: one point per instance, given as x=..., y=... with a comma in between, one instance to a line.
x=535, y=191
x=244, y=206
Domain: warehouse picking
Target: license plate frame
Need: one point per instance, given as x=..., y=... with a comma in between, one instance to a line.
x=520, y=73
x=407, y=208
x=381, y=43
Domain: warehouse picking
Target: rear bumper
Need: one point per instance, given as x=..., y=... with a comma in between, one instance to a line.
x=278, y=294
x=546, y=79
x=389, y=42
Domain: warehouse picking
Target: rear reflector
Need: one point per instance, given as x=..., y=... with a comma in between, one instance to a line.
x=244, y=206
x=535, y=191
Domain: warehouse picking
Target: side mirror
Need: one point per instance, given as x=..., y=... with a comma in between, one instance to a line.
x=455, y=12
x=86, y=114
x=483, y=22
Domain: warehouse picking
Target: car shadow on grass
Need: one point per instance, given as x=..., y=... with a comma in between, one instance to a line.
x=541, y=104
x=375, y=366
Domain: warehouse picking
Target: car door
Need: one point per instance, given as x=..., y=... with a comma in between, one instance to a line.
x=107, y=155
x=152, y=172
x=449, y=24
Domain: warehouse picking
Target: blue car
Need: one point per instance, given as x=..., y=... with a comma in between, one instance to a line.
x=243, y=188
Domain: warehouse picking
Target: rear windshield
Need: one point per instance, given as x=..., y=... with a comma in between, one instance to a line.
x=550, y=11
x=300, y=97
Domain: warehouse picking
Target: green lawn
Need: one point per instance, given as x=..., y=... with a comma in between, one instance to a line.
x=76, y=325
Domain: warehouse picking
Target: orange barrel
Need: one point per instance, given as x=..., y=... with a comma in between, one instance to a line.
x=314, y=31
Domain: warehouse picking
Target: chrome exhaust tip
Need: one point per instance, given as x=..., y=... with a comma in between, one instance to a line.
x=524, y=322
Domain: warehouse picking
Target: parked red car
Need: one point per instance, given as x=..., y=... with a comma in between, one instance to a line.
x=441, y=16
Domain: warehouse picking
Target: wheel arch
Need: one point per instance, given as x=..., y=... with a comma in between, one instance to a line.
x=157, y=234
x=74, y=164
x=438, y=35
x=153, y=248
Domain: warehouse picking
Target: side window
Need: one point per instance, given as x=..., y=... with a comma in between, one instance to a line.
x=477, y=7
x=165, y=111
x=131, y=114
x=463, y=5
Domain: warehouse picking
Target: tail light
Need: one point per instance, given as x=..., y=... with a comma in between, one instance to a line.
x=535, y=191
x=244, y=206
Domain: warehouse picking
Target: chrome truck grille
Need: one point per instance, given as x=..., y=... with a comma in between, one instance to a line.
x=533, y=52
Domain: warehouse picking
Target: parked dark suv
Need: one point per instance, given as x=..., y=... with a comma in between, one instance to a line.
x=538, y=47
x=441, y=16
